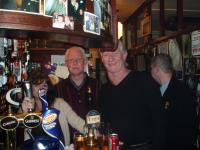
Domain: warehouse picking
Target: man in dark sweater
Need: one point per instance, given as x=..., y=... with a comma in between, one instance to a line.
x=130, y=103
x=79, y=90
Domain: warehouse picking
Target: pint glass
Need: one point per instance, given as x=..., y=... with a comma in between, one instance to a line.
x=79, y=141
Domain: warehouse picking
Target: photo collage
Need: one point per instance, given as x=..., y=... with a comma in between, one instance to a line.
x=65, y=13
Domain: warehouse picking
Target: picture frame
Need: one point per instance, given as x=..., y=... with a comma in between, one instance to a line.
x=163, y=48
x=52, y=8
x=145, y=26
x=21, y=6
x=69, y=8
x=91, y=23
x=63, y=22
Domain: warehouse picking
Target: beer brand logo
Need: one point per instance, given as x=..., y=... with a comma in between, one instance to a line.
x=32, y=121
x=93, y=119
x=9, y=123
x=49, y=118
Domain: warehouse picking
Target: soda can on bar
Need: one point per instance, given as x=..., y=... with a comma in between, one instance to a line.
x=113, y=141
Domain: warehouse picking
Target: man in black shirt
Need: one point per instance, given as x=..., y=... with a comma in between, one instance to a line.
x=131, y=104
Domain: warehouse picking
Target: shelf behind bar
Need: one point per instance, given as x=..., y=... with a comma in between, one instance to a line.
x=36, y=26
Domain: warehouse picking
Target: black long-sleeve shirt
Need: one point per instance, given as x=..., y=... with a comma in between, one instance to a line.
x=133, y=108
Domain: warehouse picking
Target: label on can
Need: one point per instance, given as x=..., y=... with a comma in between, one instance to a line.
x=113, y=142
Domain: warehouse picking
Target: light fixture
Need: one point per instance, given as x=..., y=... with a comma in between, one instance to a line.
x=120, y=30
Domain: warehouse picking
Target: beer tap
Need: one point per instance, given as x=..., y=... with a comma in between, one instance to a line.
x=11, y=121
x=93, y=123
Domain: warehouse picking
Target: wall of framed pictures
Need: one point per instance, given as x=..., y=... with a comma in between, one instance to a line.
x=67, y=13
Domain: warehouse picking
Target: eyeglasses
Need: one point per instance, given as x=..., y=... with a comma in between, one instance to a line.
x=72, y=61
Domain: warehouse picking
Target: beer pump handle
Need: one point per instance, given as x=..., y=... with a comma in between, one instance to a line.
x=27, y=89
x=11, y=92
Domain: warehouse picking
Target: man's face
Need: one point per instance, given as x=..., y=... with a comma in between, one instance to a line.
x=75, y=62
x=114, y=61
x=155, y=73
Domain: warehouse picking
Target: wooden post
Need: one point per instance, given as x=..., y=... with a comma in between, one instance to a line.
x=180, y=22
x=135, y=31
x=162, y=18
x=180, y=14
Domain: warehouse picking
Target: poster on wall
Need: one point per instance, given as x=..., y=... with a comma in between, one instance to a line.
x=195, y=44
x=91, y=23
x=71, y=8
x=20, y=5
x=175, y=53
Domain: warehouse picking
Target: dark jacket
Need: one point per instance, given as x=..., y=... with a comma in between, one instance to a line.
x=179, y=104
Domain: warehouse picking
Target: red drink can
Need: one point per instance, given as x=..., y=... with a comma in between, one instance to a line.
x=113, y=142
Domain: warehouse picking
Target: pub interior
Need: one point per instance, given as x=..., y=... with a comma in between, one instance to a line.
x=36, y=34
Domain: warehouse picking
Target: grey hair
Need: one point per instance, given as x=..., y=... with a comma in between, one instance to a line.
x=164, y=62
x=121, y=46
x=76, y=48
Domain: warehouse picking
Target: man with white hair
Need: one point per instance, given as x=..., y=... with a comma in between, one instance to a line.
x=77, y=88
x=130, y=103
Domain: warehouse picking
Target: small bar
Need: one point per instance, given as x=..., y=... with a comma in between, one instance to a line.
x=88, y=75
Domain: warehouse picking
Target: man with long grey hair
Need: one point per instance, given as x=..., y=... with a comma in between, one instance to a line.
x=179, y=105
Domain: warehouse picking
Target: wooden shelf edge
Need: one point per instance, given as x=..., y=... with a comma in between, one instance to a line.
x=25, y=25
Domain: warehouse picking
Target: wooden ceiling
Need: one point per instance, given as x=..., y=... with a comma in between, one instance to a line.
x=127, y=7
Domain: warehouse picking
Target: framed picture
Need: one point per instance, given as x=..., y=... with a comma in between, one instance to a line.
x=21, y=5
x=63, y=22
x=145, y=26
x=163, y=48
x=71, y=8
x=91, y=23
x=52, y=7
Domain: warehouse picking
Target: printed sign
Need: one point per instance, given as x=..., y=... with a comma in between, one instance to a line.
x=32, y=121
x=9, y=123
x=195, y=43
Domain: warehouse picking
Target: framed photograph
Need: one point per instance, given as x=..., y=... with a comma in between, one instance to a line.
x=76, y=9
x=145, y=26
x=21, y=5
x=163, y=48
x=55, y=7
x=91, y=23
x=63, y=22
x=97, y=4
